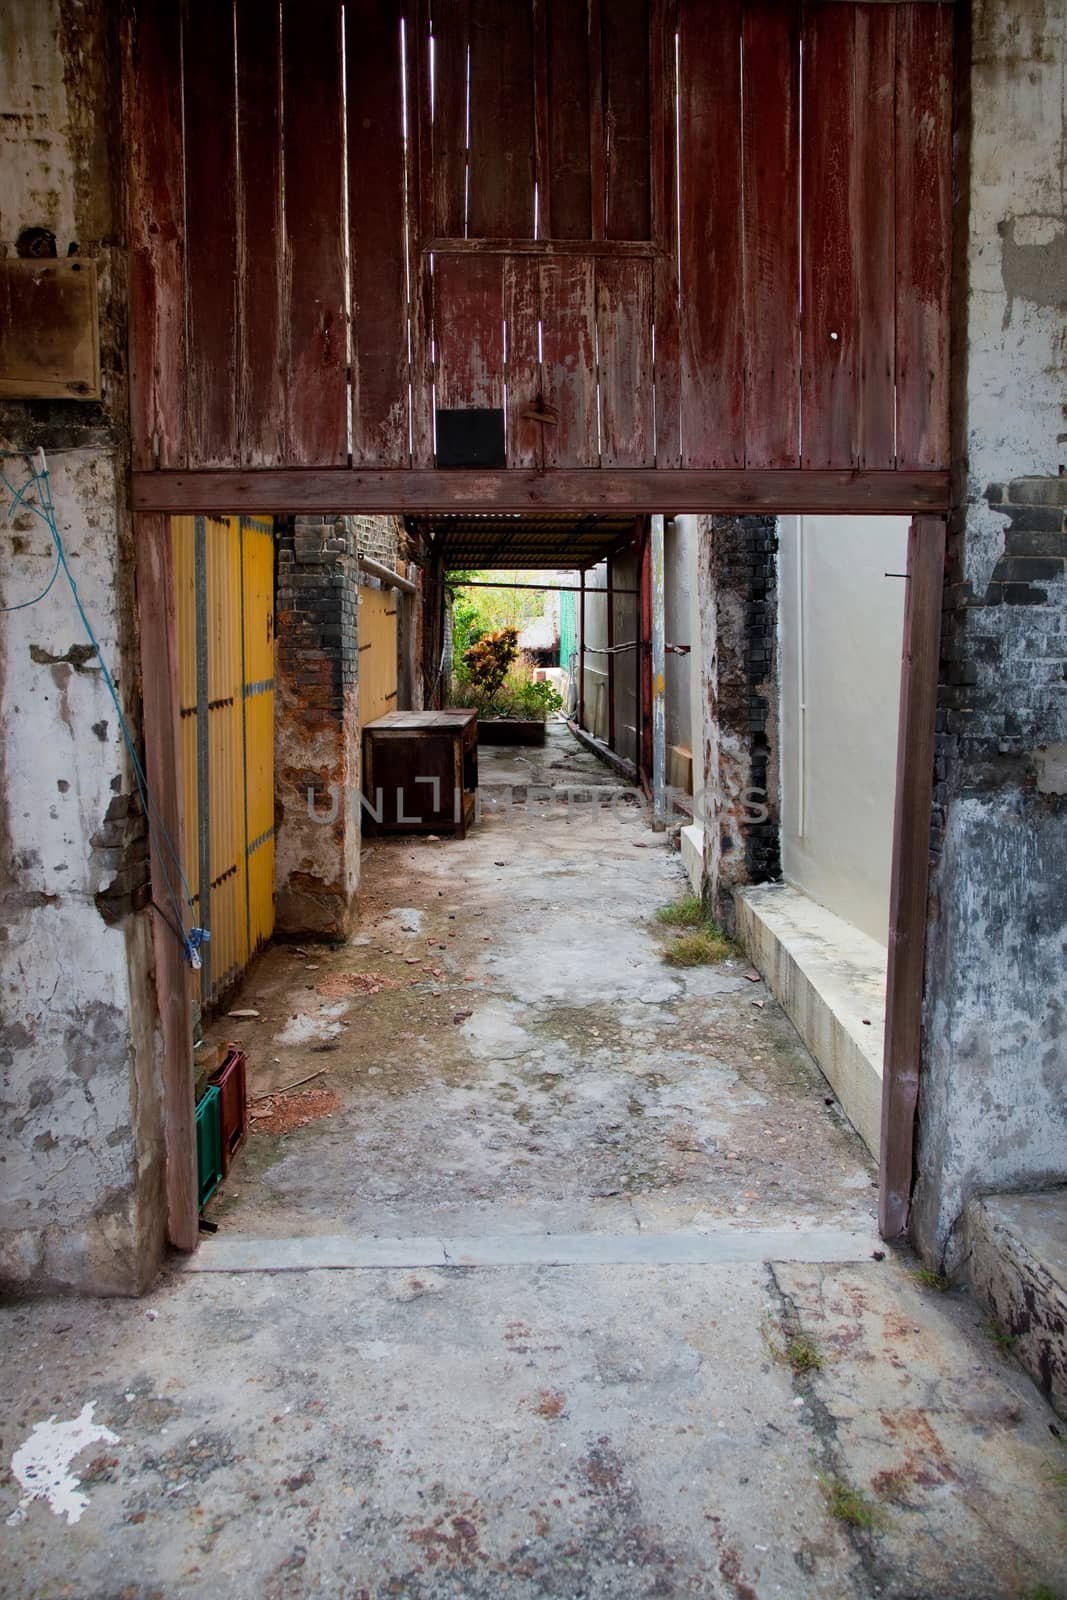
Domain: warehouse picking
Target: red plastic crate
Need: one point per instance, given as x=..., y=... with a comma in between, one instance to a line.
x=231, y=1082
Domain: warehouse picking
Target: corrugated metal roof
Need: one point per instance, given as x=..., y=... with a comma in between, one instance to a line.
x=552, y=540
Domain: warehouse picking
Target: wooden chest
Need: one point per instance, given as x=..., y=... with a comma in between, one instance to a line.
x=420, y=772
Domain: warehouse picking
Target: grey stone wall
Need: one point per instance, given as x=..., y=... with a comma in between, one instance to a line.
x=993, y=1102
x=739, y=612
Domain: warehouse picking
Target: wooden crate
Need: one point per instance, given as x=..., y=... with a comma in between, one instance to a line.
x=420, y=772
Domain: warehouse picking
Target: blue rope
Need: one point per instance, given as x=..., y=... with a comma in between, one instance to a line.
x=45, y=510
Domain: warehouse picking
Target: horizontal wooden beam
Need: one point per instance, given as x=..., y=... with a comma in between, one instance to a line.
x=429, y=491
x=643, y=249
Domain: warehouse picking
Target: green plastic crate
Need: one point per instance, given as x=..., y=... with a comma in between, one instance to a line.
x=208, y=1145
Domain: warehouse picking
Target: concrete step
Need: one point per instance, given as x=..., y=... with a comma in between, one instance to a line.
x=830, y=980
x=1018, y=1267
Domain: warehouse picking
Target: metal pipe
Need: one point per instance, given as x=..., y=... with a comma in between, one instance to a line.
x=659, y=680
x=611, y=653
x=581, y=651
x=386, y=575
x=542, y=588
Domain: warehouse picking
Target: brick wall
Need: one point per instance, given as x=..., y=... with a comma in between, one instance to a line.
x=737, y=566
x=316, y=727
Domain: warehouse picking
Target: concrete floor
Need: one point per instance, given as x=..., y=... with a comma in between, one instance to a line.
x=563, y=1282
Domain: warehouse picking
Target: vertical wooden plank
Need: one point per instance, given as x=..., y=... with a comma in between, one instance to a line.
x=624, y=342
x=711, y=309
x=828, y=243
x=566, y=209
x=451, y=42
x=153, y=111
x=469, y=330
x=377, y=254
x=668, y=442
x=770, y=146
x=421, y=224
x=569, y=361
x=211, y=222
x=163, y=765
x=598, y=178
x=262, y=336
x=317, y=410
x=924, y=231
x=625, y=46
x=872, y=204
x=501, y=162
x=910, y=872
x=542, y=165
x=522, y=313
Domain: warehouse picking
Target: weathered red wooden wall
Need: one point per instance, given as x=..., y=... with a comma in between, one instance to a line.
x=777, y=300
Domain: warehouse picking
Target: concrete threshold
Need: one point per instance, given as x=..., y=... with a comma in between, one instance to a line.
x=1018, y=1269
x=830, y=980
x=343, y=1252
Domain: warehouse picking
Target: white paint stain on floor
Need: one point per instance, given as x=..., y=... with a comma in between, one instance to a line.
x=42, y=1464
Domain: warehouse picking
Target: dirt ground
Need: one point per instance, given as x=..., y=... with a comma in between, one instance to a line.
x=555, y=1275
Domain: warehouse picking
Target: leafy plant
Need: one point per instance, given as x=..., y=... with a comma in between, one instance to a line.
x=538, y=699
x=489, y=661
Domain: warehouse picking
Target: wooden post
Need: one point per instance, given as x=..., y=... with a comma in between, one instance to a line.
x=163, y=766
x=611, y=655
x=909, y=884
x=644, y=760
x=581, y=650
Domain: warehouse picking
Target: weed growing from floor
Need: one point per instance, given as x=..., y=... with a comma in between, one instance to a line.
x=930, y=1279
x=1042, y=1591
x=704, y=945
x=800, y=1352
x=851, y=1506
x=685, y=913
x=1004, y=1341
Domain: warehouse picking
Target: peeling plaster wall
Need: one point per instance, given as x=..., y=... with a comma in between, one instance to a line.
x=81, y=1157
x=993, y=1111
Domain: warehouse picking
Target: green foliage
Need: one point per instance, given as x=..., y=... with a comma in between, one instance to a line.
x=851, y=1506
x=537, y=699
x=930, y=1279
x=703, y=947
x=489, y=661
x=685, y=913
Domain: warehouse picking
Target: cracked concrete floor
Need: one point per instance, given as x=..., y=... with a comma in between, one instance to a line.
x=586, y=1214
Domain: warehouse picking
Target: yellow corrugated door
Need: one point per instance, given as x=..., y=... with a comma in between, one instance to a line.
x=257, y=542
x=183, y=545
x=224, y=581
x=377, y=653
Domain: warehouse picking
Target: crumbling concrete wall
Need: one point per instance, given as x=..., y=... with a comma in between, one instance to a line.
x=737, y=590
x=316, y=731
x=993, y=1111
x=81, y=1159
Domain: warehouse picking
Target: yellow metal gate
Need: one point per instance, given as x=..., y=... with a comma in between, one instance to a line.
x=224, y=581
x=377, y=653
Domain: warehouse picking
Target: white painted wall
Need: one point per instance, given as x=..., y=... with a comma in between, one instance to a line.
x=840, y=631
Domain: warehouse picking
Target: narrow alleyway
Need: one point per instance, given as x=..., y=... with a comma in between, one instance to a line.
x=555, y=1275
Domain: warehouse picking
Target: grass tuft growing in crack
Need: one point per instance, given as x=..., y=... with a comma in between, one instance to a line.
x=702, y=944
x=685, y=913
x=999, y=1335
x=929, y=1279
x=799, y=1351
x=850, y=1506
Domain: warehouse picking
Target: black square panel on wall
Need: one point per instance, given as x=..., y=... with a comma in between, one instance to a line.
x=471, y=437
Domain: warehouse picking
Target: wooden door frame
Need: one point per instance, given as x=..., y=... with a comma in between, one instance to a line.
x=908, y=894
x=909, y=881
